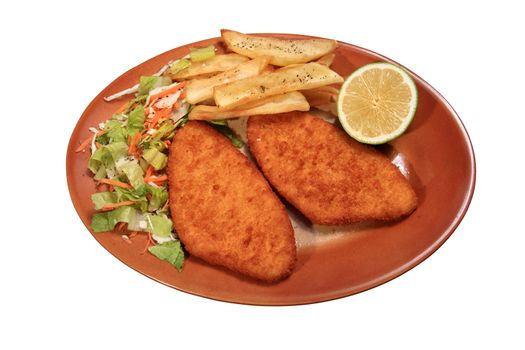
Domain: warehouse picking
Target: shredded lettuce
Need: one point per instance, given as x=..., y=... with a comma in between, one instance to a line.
x=179, y=65
x=143, y=164
x=202, y=54
x=159, y=196
x=229, y=133
x=136, y=120
x=134, y=173
x=101, y=173
x=115, y=132
x=169, y=251
x=139, y=100
x=116, y=150
x=147, y=83
x=102, y=139
x=165, y=131
x=159, y=225
x=127, y=194
x=98, y=159
x=157, y=159
x=137, y=222
x=138, y=195
x=150, y=82
x=104, y=158
x=104, y=222
x=182, y=121
x=101, y=222
x=100, y=199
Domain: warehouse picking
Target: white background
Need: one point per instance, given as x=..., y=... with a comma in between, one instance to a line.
x=60, y=289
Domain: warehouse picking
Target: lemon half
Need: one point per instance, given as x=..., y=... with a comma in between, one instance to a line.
x=377, y=103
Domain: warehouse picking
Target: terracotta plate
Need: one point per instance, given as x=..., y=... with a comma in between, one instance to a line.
x=435, y=153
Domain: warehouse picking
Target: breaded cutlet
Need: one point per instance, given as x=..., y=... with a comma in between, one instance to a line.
x=223, y=209
x=329, y=177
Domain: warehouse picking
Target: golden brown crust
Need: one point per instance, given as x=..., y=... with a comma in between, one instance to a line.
x=328, y=176
x=224, y=210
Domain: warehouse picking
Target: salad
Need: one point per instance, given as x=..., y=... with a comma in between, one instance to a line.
x=129, y=155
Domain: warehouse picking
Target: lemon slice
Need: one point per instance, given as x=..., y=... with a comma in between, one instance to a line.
x=377, y=102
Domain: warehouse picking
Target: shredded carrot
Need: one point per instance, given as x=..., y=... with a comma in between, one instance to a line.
x=87, y=141
x=110, y=206
x=158, y=116
x=161, y=178
x=98, y=144
x=165, y=205
x=148, y=242
x=115, y=183
x=156, y=178
x=153, y=122
x=169, y=91
x=84, y=144
x=149, y=172
x=132, y=149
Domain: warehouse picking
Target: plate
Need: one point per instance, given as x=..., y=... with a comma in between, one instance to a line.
x=435, y=154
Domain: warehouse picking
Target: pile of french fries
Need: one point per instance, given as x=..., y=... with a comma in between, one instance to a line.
x=262, y=75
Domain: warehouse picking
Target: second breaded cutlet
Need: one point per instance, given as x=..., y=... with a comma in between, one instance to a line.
x=329, y=177
x=223, y=209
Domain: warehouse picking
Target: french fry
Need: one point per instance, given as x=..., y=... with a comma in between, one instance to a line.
x=268, y=69
x=327, y=59
x=219, y=63
x=208, y=102
x=328, y=89
x=329, y=107
x=299, y=77
x=317, y=98
x=201, y=76
x=283, y=52
x=321, y=95
x=201, y=89
x=291, y=101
